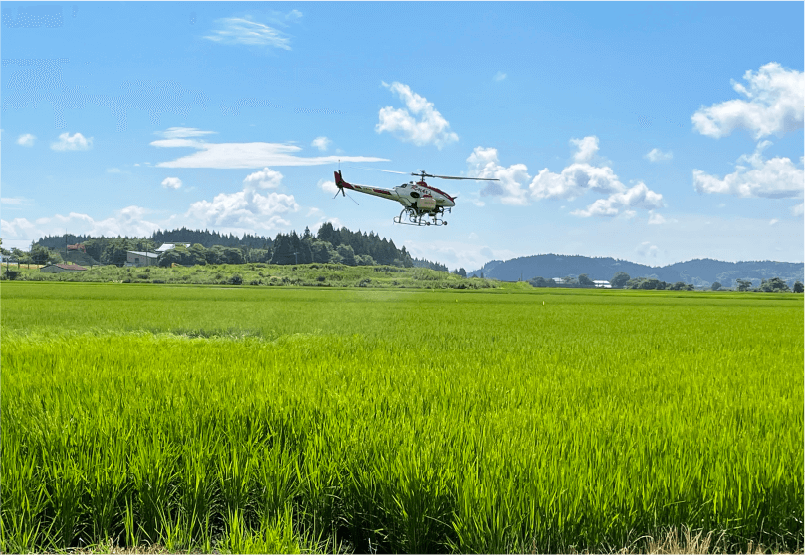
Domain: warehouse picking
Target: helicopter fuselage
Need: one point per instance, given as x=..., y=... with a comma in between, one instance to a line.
x=418, y=195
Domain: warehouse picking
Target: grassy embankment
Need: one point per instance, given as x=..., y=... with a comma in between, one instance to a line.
x=280, y=420
x=258, y=274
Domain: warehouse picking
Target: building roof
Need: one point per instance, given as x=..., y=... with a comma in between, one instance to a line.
x=73, y=267
x=145, y=254
x=169, y=246
x=600, y=281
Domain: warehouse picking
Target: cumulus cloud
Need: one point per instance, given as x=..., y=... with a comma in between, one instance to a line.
x=658, y=219
x=247, y=209
x=797, y=210
x=245, y=155
x=238, y=30
x=26, y=140
x=322, y=143
x=171, y=183
x=327, y=186
x=587, y=146
x=754, y=177
x=263, y=179
x=648, y=250
x=657, y=155
x=129, y=221
x=639, y=196
x=775, y=101
x=483, y=162
x=572, y=182
x=500, y=76
x=430, y=129
x=75, y=142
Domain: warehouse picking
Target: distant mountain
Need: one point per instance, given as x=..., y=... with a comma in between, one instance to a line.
x=699, y=272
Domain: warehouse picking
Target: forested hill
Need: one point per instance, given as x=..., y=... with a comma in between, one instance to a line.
x=328, y=245
x=699, y=272
x=206, y=239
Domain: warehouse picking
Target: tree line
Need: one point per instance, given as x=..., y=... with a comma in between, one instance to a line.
x=623, y=280
x=328, y=245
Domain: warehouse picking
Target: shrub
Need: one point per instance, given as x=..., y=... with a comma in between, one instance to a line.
x=235, y=279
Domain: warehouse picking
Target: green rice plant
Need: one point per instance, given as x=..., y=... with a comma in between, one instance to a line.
x=323, y=420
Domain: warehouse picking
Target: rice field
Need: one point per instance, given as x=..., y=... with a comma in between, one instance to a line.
x=254, y=420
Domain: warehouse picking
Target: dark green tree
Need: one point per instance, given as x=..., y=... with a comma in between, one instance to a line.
x=798, y=287
x=347, y=255
x=619, y=279
x=743, y=284
x=716, y=286
x=585, y=280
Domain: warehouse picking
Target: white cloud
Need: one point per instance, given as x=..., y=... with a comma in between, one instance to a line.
x=775, y=104
x=773, y=221
x=263, y=179
x=293, y=15
x=129, y=221
x=26, y=140
x=171, y=183
x=237, y=30
x=587, y=146
x=247, y=209
x=658, y=155
x=572, y=182
x=658, y=219
x=499, y=76
x=245, y=155
x=431, y=128
x=483, y=162
x=646, y=249
x=327, y=186
x=638, y=196
x=322, y=143
x=183, y=132
x=113, y=170
x=775, y=178
x=16, y=201
x=76, y=142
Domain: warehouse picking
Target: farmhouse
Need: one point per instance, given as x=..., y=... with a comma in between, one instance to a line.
x=136, y=258
x=62, y=268
x=602, y=283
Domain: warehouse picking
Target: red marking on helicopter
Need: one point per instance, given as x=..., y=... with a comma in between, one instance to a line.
x=434, y=189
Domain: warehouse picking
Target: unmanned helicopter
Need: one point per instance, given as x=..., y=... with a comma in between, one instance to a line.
x=423, y=204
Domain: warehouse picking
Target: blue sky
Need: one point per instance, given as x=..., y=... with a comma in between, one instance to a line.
x=653, y=132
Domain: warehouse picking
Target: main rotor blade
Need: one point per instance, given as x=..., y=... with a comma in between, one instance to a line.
x=377, y=170
x=475, y=178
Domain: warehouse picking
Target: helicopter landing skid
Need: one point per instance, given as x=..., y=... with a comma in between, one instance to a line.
x=418, y=219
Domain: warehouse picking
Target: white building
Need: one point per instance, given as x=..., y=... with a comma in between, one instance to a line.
x=602, y=283
x=136, y=258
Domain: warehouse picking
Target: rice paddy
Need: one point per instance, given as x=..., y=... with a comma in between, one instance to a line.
x=253, y=420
